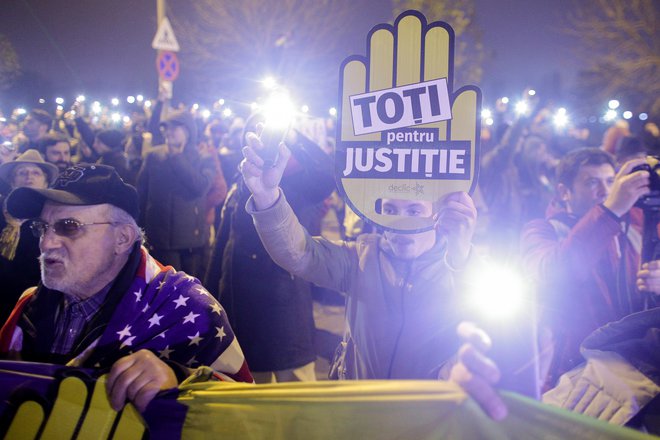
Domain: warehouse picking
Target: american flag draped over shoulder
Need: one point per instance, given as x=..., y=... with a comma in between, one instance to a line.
x=171, y=314
x=174, y=316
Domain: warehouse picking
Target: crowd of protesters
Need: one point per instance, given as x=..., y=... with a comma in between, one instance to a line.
x=581, y=239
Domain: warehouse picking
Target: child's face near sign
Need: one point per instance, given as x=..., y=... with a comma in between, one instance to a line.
x=404, y=133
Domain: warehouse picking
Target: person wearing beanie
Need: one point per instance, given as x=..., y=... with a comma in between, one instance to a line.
x=109, y=146
x=172, y=184
x=19, y=249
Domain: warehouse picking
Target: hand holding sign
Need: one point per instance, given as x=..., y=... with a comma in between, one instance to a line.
x=76, y=413
x=403, y=132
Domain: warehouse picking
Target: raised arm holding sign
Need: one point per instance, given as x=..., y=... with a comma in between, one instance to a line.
x=404, y=286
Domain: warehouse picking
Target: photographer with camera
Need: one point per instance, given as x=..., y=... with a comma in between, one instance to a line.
x=585, y=256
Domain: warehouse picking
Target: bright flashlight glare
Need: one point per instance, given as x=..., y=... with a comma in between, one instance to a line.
x=505, y=100
x=21, y=111
x=116, y=117
x=140, y=98
x=521, y=107
x=130, y=99
x=195, y=106
x=531, y=92
x=59, y=107
x=610, y=115
x=613, y=104
x=627, y=114
x=561, y=118
x=206, y=113
x=221, y=101
x=254, y=106
x=126, y=119
x=227, y=112
x=497, y=292
x=486, y=113
x=115, y=101
x=59, y=101
x=643, y=116
x=269, y=83
x=332, y=111
x=80, y=98
x=147, y=104
x=278, y=110
x=42, y=101
x=304, y=109
x=490, y=121
x=96, y=107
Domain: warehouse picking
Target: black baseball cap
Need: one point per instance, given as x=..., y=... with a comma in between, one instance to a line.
x=82, y=184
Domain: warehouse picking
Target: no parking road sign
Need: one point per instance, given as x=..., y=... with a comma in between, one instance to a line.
x=167, y=64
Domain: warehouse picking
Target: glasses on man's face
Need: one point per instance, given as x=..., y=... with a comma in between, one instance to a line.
x=66, y=227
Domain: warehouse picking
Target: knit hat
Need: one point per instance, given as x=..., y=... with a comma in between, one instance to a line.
x=32, y=157
x=82, y=184
x=112, y=138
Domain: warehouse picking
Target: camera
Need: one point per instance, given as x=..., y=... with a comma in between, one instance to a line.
x=652, y=199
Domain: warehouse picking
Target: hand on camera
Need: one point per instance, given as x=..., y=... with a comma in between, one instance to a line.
x=628, y=187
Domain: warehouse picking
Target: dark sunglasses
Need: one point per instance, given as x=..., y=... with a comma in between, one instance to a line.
x=66, y=227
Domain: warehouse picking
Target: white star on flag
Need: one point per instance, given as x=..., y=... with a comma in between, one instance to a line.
x=216, y=307
x=194, y=340
x=161, y=335
x=191, y=361
x=161, y=284
x=221, y=333
x=181, y=301
x=138, y=295
x=128, y=342
x=146, y=307
x=125, y=332
x=165, y=353
x=190, y=317
x=155, y=320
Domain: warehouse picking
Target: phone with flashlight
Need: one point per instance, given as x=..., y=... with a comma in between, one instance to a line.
x=502, y=303
x=271, y=137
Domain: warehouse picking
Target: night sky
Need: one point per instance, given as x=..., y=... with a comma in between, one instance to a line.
x=104, y=49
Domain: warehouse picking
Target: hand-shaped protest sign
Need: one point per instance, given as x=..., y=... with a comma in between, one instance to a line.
x=403, y=132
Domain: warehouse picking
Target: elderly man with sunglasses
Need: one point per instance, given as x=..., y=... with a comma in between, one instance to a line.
x=104, y=302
